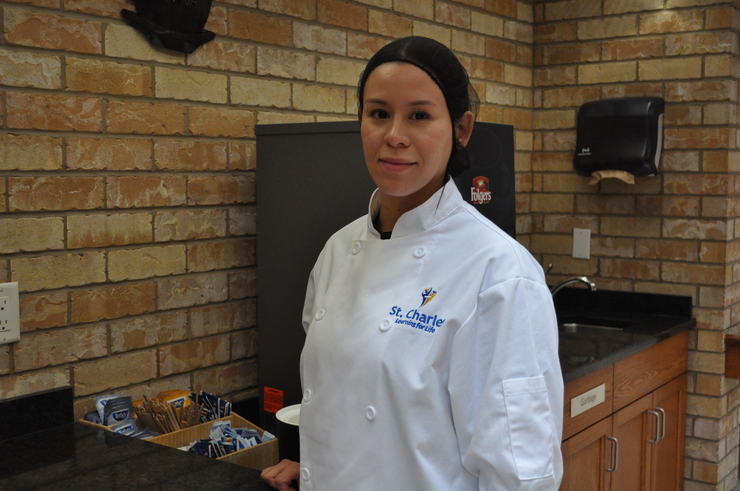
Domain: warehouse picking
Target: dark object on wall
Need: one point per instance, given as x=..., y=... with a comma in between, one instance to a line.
x=312, y=181
x=172, y=24
x=624, y=134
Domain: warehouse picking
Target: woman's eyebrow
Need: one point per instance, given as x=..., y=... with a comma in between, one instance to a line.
x=382, y=102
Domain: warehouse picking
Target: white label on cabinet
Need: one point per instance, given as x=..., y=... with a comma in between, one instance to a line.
x=583, y=402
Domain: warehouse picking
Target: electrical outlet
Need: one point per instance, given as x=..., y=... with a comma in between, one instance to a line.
x=10, y=323
x=581, y=243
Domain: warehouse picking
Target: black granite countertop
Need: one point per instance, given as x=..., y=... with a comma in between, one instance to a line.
x=78, y=457
x=643, y=319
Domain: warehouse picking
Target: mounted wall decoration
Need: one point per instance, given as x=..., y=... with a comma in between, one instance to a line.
x=172, y=24
x=620, y=138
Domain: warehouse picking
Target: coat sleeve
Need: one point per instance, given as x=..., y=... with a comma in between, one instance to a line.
x=506, y=389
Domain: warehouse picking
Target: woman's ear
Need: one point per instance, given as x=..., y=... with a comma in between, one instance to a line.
x=464, y=128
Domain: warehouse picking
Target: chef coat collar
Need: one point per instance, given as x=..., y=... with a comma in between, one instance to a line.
x=425, y=216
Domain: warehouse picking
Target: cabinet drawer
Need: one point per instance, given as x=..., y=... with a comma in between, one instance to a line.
x=647, y=370
x=591, y=396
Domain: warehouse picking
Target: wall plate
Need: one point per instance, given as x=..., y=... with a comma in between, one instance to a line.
x=10, y=324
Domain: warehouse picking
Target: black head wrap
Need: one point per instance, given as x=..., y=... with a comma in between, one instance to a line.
x=445, y=70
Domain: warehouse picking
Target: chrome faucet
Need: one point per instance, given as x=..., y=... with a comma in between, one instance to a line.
x=570, y=281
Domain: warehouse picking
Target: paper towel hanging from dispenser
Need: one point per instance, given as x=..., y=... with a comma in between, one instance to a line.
x=619, y=137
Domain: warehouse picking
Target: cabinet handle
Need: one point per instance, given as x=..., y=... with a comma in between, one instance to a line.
x=657, y=427
x=615, y=460
x=662, y=424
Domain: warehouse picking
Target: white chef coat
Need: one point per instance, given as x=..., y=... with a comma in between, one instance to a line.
x=430, y=360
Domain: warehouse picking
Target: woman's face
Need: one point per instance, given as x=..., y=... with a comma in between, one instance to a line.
x=406, y=132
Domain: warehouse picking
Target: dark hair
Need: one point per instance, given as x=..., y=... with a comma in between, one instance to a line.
x=445, y=70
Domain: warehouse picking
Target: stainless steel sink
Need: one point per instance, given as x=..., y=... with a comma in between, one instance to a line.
x=574, y=324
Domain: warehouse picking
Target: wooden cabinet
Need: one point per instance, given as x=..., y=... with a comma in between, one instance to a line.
x=638, y=440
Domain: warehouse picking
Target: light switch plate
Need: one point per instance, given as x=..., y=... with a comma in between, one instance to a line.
x=581, y=243
x=10, y=324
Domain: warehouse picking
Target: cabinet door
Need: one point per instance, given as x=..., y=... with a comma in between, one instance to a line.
x=586, y=457
x=667, y=458
x=633, y=427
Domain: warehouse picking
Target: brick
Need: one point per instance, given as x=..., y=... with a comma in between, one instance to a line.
x=599, y=73
x=54, y=112
x=293, y=8
x=676, y=250
x=51, y=272
x=709, y=90
x=318, y=98
x=227, y=379
x=498, y=50
x=638, y=89
x=451, y=14
x=108, y=154
x=422, y=9
x=218, y=21
x=716, y=207
x=55, y=193
x=713, y=252
x=630, y=268
x=696, y=229
x=518, y=31
x=320, y=39
x=146, y=191
x=43, y=311
x=571, y=53
x=554, y=33
x=146, y=262
x=207, y=256
x=84, y=231
x=630, y=226
x=52, y=31
x=189, y=224
x=517, y=75
x=30, y=152
x=701, y=274
x=558, y=141
x=40, y=3
x=572, y=9
x=677, y=161
x=669, y=69
x=107, y=8
x=189, y=155
x=605, y=204
x=217, y=319
x=23, y=384
x=337, y=72
x=628, y=49
x=244, y=344
x=57, y=347
x=553, y=203
x=122, y=41
x=624, y=6
x=242, y=155
x=226, y=56
x=569, y=96
x=502, y=7
x=149, y=330
x=112, y=302
x=243, y=3
x=388, y=24
x=97, y=76
x=612, y=247
x=267, y=117
x=703, y=137
x=699, y=43
x=671, y=21
x=285, y=64
x=115, y=371
x=242, y=283
x=363, y=46
x=187, y=291
x=544, y=77
x=260, y=28
x=260, y=92
x=668, y=206
x=214, y=190
x=188, y=356
x=221, y=122
x=466, y=42
x=719, y=17
x=23, y=69
x=554, y=119
x=551, y=244
x=434, y=31
x=190, y=85
x=145, y=118
x=499, y=94
x=242, y=221
x=682, y=115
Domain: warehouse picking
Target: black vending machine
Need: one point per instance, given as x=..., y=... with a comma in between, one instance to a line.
x=311, y=181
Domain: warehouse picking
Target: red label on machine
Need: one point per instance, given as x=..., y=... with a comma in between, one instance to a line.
x=273, y=400
x=480, y=192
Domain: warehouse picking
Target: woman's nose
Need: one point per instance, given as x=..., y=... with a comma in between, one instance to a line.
x=397, y=134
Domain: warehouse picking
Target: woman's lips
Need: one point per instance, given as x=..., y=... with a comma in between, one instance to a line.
x=396, y=165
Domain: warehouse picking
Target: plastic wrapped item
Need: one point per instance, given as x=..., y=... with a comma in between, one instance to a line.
x=178, y=25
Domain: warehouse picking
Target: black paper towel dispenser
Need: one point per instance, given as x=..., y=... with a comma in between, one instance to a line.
x=624, y=134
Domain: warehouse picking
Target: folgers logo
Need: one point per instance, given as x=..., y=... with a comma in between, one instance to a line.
x=480, y=193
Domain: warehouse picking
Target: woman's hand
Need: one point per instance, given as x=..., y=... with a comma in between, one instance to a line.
x=281, y=476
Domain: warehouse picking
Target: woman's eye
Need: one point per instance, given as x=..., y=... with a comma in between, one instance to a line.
x=379, y=113
x=420, y=115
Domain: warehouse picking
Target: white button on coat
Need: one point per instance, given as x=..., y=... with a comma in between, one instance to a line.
x=385, y=325
x=370, y=413
x=320, y=314
x=307, y=394
x=356, y=248
x=419, y=252
x=305, y=474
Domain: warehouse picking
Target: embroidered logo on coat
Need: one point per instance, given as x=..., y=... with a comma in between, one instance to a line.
x=426, y=296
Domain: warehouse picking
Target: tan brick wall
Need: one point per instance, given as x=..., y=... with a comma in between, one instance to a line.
x=667, y=234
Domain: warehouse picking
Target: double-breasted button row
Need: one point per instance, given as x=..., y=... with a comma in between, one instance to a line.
x=385, y=325
x=320, y=314
x=420, y=252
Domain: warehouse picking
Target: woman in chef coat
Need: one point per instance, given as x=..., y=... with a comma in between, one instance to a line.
x=430, y=360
